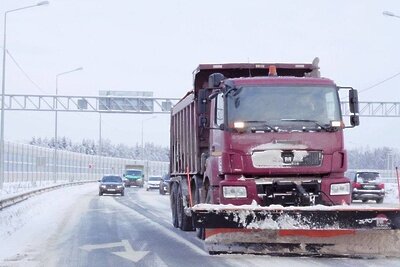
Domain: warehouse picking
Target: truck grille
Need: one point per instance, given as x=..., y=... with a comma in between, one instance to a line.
x=286, y=158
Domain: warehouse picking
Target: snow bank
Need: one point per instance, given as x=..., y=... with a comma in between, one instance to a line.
x=28, y=225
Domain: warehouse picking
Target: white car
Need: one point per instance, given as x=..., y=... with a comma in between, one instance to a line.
x=153, y=182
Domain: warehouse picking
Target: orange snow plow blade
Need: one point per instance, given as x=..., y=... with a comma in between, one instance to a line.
x=313, y=231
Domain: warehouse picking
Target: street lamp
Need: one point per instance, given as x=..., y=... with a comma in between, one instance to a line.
x=55, y=171
x=3, y=86
x=390, y=14
x=153, y=117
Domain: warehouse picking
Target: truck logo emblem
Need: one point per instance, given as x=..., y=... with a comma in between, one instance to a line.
x=287, y=157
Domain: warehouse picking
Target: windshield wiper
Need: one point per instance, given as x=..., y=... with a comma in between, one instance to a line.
x=323, y=127
x=264, y=126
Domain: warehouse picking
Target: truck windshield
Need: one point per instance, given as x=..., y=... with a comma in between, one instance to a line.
x=284, y=106
x=134, y=172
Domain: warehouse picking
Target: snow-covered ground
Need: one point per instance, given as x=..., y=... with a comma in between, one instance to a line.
x=26, y=229
x=392, y=193
x=16, y=188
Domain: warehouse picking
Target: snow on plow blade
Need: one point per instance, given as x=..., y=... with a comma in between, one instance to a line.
x=316, y=231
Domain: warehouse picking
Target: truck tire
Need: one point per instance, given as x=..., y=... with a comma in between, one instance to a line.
x=173, y=200
x=184, y=222
x=379, y=201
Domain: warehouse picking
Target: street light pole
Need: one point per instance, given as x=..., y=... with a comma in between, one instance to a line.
x=100, y=147
x=153, y=117
x=55, y=166
x=3, y=86
x=390, y=14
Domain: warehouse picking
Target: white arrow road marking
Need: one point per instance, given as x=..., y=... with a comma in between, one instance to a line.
x=100, y=246
x=128, y=254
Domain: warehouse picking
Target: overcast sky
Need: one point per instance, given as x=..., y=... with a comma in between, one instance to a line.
x=154, y=45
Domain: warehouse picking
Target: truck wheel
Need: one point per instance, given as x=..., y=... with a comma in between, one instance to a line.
x=364, y=200
x=173, y=201
x=379, y=200
x=184, y=221
x=162, y=192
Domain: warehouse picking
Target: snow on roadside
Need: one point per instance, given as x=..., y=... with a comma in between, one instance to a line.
x=16, y=188
x=392, y=193
x=29, y=224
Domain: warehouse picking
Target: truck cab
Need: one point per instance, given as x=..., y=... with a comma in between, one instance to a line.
x=133, y=177
x=269, y=133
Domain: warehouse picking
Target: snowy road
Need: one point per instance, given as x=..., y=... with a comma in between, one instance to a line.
x=75, y=227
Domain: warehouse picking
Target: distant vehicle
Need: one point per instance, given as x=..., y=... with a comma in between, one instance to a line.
x=367, y=186
x=133, y=177
x=164, y=184
x=111, y=184
x=153, y=182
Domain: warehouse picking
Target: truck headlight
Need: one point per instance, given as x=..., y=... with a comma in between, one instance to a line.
x=340, y=189
x=234, y=191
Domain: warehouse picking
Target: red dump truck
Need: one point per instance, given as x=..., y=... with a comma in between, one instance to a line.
x=257, y=164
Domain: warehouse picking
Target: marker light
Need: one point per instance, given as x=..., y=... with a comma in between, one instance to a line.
x=336, y=123
x=238, y=124
x=272, y=71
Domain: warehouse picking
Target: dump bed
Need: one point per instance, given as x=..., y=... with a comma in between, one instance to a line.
x=237, y=70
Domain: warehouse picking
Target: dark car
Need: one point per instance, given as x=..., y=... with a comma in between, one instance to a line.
x=164, y=184
x=367, y=186
x=133, y=177
x=111, y=184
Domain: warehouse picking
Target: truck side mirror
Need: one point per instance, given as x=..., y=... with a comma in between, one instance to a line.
x=355, y=120
x=353, y=105
x=353, y=101
x=202, y=100
x=215, y=79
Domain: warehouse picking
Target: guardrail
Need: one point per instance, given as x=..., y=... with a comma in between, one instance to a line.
x=6, y=202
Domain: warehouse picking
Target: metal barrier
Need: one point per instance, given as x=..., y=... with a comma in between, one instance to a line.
x=28, y=165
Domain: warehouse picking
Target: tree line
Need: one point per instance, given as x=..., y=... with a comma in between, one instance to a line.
x=150, y=151
x=373, y=158
x=358, y=158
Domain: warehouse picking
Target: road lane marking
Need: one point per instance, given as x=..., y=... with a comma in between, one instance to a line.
x=167, y=231
x=129, y=253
